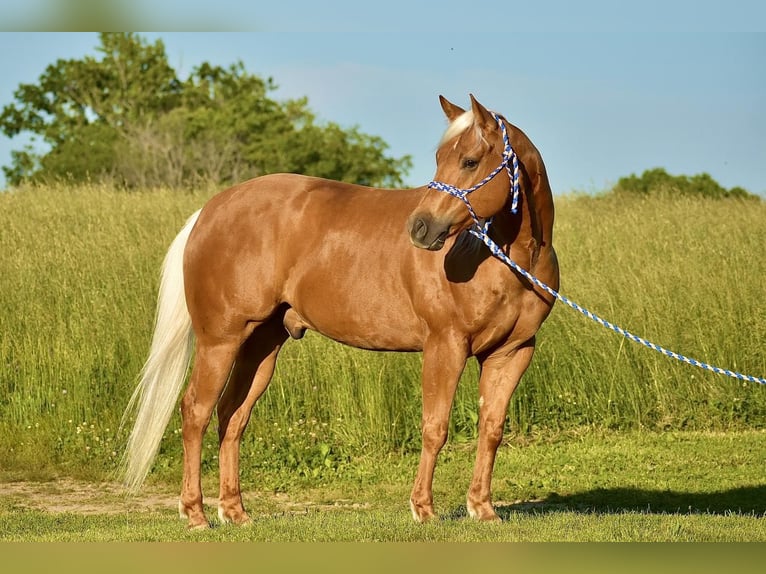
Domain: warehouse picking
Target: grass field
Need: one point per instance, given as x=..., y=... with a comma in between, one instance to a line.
x=597, y=486
x=78, y=278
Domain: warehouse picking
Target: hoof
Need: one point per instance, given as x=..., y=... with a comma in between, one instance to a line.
x=238, y=518
x=196, y=519
x=482, y=512
x=422, y=513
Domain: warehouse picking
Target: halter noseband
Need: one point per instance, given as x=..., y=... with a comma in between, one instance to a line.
x=510, y=163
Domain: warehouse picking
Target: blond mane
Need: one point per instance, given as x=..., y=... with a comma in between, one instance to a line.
x=458, y=126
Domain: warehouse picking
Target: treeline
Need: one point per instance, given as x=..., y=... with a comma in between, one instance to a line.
x=127, y=118
x=657, y=181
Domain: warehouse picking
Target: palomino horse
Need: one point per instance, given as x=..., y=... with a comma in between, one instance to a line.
x=274, y=256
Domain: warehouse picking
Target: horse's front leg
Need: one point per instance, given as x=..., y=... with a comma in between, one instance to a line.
x=500, y=375
x=444, y=358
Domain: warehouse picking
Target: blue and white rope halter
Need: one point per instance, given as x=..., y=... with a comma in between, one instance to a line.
x=511, y=164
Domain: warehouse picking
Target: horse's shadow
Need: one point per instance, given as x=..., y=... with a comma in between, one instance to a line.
x=746, y=500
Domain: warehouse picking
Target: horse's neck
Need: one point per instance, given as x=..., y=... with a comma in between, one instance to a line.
x=537, y=211
x=540, y=208
x=525, y=235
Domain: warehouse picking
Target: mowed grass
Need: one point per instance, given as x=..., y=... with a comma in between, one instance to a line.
x=78, y=279
x=597, y=486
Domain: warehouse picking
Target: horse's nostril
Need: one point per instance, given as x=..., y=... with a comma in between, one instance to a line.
x=419, y=229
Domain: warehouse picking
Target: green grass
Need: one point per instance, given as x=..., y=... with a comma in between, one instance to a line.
x=78, y=286
x=382, y=526
x=597, y=486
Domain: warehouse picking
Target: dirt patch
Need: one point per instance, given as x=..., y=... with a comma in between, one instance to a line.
x=66, y=495
x=80, y=497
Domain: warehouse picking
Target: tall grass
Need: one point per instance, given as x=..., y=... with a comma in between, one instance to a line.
x=78, y=279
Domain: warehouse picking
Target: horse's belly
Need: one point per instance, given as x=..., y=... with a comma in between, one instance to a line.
x=363, y=318
x=364, y=331
x=375, y=341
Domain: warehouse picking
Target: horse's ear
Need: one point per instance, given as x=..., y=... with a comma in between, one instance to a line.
x=482, y=117
x=450, y=110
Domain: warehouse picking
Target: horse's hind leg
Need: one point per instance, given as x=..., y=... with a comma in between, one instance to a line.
x=212, y=365
x=251, y=375
x=500, y=375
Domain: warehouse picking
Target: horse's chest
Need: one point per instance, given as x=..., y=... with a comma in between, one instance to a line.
x=496, y=305
x=498, y=308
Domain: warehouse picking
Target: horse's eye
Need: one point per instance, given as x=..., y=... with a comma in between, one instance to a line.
x=469, y=163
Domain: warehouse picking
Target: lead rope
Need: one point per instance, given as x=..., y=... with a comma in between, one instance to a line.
x=497, y=252
x=480, y=231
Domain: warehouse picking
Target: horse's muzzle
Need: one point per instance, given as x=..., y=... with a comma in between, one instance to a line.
x=426, y=232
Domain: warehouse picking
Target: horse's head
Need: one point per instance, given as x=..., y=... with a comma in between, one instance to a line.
x=471, y=150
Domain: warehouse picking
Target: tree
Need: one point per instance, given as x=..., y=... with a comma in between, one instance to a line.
x=127, y=117
x=657, y=180
x=81, y=108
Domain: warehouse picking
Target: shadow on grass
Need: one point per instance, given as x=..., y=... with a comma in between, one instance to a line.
x=746, y=500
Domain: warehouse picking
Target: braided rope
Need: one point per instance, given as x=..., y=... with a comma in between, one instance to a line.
x=481, y=231
x=498, y=252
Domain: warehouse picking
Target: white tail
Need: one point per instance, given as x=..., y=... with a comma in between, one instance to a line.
x=164, y=372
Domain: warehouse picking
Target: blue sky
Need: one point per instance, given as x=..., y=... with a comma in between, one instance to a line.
x=598, y=105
